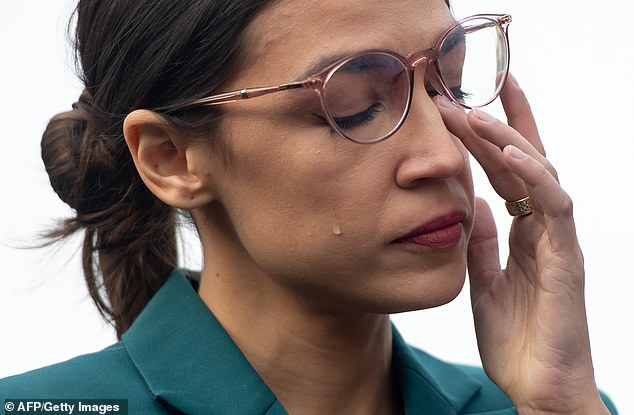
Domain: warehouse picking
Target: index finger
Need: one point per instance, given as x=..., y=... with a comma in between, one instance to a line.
x=519, y=114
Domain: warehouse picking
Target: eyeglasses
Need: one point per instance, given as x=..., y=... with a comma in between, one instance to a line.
x=366, y=97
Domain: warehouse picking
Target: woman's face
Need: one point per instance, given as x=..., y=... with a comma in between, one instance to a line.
x=381, y=227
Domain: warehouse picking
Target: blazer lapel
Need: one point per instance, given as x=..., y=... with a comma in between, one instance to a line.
x=432, y=386
x=188, y=361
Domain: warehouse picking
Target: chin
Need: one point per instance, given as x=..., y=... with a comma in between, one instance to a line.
x=424, y=293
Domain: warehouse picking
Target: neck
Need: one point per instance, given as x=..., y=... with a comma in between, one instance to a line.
x=314, y=362
x=317, y=364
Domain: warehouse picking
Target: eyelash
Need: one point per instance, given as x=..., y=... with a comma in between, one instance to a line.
x=456, y=92
x=371, y=112
x=359, y=119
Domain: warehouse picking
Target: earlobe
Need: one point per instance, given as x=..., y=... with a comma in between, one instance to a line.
x=160, y=154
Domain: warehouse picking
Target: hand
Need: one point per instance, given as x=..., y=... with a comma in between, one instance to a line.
x=530, y=317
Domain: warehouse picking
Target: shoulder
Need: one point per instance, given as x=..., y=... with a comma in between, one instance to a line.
x=108, y=373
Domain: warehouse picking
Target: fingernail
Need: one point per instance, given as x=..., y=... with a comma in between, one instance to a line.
x=482, y=116
x=515, y=152
x=445, y=103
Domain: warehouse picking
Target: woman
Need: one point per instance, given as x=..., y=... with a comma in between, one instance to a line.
x=322, y=206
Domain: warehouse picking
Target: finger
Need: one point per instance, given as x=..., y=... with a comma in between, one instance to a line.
x=553, y=201
x=455, y=118
x=519, y=114
x=483, y=256
x=489, y=155
x=502, y=135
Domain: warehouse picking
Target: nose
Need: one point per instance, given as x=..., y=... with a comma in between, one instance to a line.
x=428, y=149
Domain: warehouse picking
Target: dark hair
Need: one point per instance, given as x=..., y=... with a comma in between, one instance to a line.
x=133, y=54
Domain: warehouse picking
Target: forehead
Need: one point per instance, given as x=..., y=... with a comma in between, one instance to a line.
x=289, y=36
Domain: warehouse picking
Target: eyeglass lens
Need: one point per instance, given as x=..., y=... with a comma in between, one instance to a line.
x=368, y=96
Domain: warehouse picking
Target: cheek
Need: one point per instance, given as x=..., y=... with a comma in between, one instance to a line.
x=317, y=213
x=295, y=203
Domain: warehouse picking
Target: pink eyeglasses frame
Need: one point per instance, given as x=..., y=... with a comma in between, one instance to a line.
x=319, y=81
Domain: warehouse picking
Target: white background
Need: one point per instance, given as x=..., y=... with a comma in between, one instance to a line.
x=574, y=62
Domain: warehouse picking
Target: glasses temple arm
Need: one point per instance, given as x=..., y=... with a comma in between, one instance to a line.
x=247, y=93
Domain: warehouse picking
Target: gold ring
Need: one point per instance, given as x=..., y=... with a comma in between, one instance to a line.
x=520, y=207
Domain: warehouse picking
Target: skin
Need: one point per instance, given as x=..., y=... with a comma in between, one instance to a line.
x=297, y=224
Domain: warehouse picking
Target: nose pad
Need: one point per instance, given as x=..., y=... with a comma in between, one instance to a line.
x=433, y=80
x=426, y=85
x=425, y=73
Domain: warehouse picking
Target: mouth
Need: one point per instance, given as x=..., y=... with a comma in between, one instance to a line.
x=442, y=232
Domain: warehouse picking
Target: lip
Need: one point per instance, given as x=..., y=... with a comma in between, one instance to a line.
x=440, y=233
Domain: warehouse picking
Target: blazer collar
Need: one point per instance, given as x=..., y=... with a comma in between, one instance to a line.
x=187, y=359
x=427, y=382
x=191, y=365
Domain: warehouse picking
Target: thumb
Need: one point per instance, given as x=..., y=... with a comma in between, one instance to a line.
x=483, y=256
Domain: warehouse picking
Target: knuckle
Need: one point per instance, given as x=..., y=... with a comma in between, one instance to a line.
x=566, y=207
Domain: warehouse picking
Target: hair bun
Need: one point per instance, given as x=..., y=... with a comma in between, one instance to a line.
x=66, y=151
x=61, y=153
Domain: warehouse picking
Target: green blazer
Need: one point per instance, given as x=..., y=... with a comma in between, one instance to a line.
x=177, y=359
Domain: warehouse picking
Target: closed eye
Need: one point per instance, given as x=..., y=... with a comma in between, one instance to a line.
x=360, y=118
x=457, y=92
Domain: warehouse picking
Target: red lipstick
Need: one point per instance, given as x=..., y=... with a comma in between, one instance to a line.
x=440, y=233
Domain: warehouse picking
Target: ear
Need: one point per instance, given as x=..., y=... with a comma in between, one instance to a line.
x=164, y=159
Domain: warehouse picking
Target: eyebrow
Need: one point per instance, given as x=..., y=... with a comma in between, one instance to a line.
x=454, y=39
x=324, y=62
x=321, y=63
